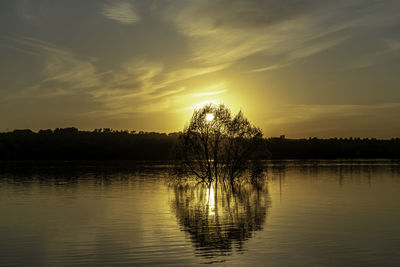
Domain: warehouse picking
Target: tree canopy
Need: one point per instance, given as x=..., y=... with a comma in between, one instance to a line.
x=219, y=146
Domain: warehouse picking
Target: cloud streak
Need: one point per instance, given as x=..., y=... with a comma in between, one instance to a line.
x=302, y=113
x=121, y=11
x=390, y=47
x=62, y=69
x=138, y=85
x=225, y=32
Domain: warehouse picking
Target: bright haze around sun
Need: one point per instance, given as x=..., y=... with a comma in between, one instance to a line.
x=295, y=67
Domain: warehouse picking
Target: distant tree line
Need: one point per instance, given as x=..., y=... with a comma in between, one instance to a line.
x=72, y=144
x=108, y=144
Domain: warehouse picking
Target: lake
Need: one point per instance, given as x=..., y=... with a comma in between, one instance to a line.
x=306, y=213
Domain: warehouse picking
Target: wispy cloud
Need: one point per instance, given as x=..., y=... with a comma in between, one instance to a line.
x=64, y=68
x=138, y=85
x=225, y=32
x=303, y=51
x=63, y=73
x=390, y=47
x=303, y=113
x=147, y=87
x=61, y=67
x=211, y=93
x=121, y=11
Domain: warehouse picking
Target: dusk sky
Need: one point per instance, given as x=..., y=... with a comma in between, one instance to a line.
x=296, y=67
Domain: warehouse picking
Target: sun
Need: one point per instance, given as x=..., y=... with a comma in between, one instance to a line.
x=209, y=117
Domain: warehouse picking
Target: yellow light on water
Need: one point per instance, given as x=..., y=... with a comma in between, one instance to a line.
x=211, y=201
x=209, y=117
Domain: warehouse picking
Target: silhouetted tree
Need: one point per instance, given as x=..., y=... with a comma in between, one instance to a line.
x=217, y=146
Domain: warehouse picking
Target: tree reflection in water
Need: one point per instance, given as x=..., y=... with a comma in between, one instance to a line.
x=219, y=218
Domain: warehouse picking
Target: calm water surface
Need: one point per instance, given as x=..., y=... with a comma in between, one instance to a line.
x=321, y=213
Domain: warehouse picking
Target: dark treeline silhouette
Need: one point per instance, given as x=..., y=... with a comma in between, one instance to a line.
x=108, y=144
x=72, y=144
x=333, y=148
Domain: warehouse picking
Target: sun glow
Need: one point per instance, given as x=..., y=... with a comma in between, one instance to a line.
x=201, y=96
x=209, y=117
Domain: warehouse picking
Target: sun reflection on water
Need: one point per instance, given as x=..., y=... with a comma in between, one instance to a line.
x=219, y=218
x=211, y=201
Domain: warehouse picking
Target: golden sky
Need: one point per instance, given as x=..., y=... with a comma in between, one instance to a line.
x=296, y=67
